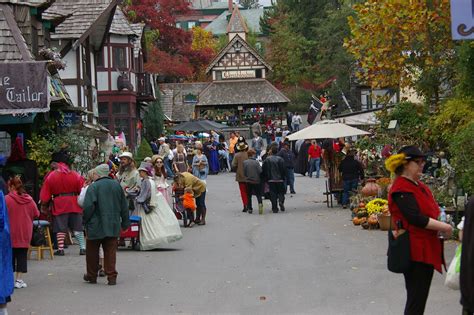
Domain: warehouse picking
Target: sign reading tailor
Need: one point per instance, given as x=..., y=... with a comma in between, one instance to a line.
x=462, y=19
x=238, y=74
x=24, y=88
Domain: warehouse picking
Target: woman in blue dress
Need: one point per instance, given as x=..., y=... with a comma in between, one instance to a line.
x=6, y=268
x=213, y=155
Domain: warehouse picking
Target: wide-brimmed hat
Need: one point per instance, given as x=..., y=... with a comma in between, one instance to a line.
x=412, y=152
x=162, y=139
x=126, y=155
x=242, y=146
x=145, y=166
x=155, y=157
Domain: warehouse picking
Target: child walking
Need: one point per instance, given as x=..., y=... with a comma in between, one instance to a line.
x=189, y=204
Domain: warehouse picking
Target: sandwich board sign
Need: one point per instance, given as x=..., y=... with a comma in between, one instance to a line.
x=462, y=19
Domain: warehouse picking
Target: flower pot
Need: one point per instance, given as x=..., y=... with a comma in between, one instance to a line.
x=371, y=188
x=384, y=221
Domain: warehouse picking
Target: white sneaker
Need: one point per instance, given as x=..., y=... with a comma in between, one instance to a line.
x=19, y=284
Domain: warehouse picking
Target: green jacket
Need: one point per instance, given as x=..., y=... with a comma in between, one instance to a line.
x=105, y=209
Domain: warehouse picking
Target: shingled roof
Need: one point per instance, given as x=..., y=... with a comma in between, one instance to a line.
x=251, y=17
x=13, y=46
x=121, y=25
x=241, y=92
x=83, y=14
x=31, y=3
x=236, y=22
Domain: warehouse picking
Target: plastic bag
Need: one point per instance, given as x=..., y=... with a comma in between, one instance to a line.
x=452, y=277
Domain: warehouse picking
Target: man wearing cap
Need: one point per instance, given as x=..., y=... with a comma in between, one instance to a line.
x=105, y=212
x=164, y=152
x=238, y=166
x=60, y=190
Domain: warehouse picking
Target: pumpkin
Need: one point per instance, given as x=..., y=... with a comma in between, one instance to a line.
x=356, y=221
x=363, y=220
x=371, y=188
x=361, y=205
x=373, y=220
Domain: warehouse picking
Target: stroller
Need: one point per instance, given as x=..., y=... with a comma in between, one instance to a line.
x=178, y=208
x=133, y=232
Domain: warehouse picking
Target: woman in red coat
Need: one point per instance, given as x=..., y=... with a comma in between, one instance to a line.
x=22, y=210
x=412, y=204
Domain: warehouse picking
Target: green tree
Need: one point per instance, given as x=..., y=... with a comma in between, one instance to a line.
x=249, y=4
x=143, y=151
x=153, y=120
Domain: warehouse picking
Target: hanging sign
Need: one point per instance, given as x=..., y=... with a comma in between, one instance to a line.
x=462, y=19
x=24, y=88
x=238, y=74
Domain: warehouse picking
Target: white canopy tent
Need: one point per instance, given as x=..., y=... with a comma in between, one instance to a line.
x=327, y=129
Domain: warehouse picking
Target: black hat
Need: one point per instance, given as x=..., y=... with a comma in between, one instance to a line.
x=411, y=152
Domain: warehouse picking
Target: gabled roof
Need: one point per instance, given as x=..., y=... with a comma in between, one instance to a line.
x=138, y=28
x=31, y=3
x=85, y=17
x=13, y=46
x=229, y=46
x=241, y=92
x=236, y=22
x=120, y=24
x=251, y=17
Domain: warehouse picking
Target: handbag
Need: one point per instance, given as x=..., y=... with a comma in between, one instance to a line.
x=38, y=238
x=398, y=254
x=454, y=270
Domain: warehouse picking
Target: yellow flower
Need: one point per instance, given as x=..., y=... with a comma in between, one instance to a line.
x=376, y=206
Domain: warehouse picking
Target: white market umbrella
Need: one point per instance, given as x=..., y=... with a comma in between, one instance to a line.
x=326, y=129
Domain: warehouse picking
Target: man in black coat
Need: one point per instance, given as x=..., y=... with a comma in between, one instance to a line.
x=274, y=172
x=466, y=276
x=352, y=171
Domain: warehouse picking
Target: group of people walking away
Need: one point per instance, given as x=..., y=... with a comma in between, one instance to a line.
x=273, y=176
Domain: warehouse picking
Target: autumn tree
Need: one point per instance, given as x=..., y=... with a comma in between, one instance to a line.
x=403, y=44
x=171, y=53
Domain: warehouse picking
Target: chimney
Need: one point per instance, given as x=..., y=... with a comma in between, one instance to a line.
x=231, y=6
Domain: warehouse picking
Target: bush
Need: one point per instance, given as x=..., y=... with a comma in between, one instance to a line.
x=144, y=150
x=461, y=148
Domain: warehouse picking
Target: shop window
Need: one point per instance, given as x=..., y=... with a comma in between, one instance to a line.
x=258, y=73
x=120, y=57
x=100, y=58
x=122, y=124
x=120, y=109
x=103, y=109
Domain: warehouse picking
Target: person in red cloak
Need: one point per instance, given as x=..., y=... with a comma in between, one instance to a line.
x=60, y=190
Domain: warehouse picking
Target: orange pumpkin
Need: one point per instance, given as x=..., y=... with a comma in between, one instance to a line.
x=373, y=220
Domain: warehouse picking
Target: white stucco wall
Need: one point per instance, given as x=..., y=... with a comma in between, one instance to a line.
x=102, y=81
x=70, y=71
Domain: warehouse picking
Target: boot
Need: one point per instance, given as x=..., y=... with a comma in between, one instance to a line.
x=198, y=216
x=203, y=217
x=260, y=208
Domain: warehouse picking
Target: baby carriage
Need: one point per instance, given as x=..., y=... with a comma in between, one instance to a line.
x=178, y=207
x=132, y=232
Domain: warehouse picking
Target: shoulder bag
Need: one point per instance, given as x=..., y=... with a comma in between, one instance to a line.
x=398, y=254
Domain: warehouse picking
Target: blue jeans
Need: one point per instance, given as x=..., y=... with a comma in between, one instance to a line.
x=169, y=171
x=314, y=166
x=290, y=179
x=349, y=186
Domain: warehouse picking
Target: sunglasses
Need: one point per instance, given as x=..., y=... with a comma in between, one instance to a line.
x=159, y=162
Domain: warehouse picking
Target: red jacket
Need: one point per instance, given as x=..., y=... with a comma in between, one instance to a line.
x=425, y=246
x=314, y=151
x=63, y=187
x=22, y=210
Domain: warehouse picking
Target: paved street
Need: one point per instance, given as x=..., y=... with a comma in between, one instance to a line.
x=308, y=260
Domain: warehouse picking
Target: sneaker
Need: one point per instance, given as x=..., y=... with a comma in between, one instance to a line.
x=19, y=284
x=59, y=252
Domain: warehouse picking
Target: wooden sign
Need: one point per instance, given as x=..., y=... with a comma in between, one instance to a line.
x=238, y=74
x=24, y=88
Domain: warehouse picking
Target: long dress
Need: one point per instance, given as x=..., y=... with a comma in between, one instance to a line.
x=160, y=226
x=213, y=157
x=301, y=166
x=163, y=187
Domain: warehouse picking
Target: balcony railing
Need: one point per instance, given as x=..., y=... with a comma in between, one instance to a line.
x=144, y=87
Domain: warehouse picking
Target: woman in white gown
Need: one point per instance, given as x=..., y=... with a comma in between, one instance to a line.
x=160, y=176
x=158, y=222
